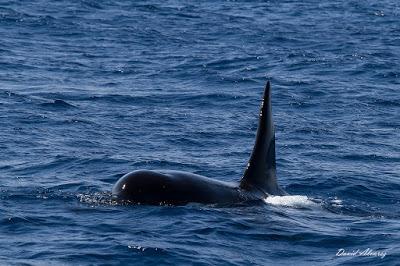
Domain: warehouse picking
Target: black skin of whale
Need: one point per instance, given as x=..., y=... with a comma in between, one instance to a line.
x=155, y=187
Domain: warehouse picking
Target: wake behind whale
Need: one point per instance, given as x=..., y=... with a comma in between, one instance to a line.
x=177, y=188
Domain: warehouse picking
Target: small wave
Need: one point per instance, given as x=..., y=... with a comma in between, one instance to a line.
x=58, y=104
x=146, y=249
x=295, y=201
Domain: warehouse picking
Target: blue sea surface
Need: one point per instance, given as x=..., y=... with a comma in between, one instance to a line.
x=91, y=90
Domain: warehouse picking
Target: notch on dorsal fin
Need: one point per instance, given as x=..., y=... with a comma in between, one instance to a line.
x=260, y=173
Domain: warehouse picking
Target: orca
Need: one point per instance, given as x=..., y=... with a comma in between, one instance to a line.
x=158, y=187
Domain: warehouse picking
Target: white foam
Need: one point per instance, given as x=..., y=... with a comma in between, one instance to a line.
x=98, y=198
x=296, y=201
x=337, y=202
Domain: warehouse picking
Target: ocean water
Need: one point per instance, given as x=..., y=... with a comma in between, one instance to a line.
x=91, y=90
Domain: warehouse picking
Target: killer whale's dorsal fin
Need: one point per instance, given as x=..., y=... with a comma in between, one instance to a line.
x=260, y=173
